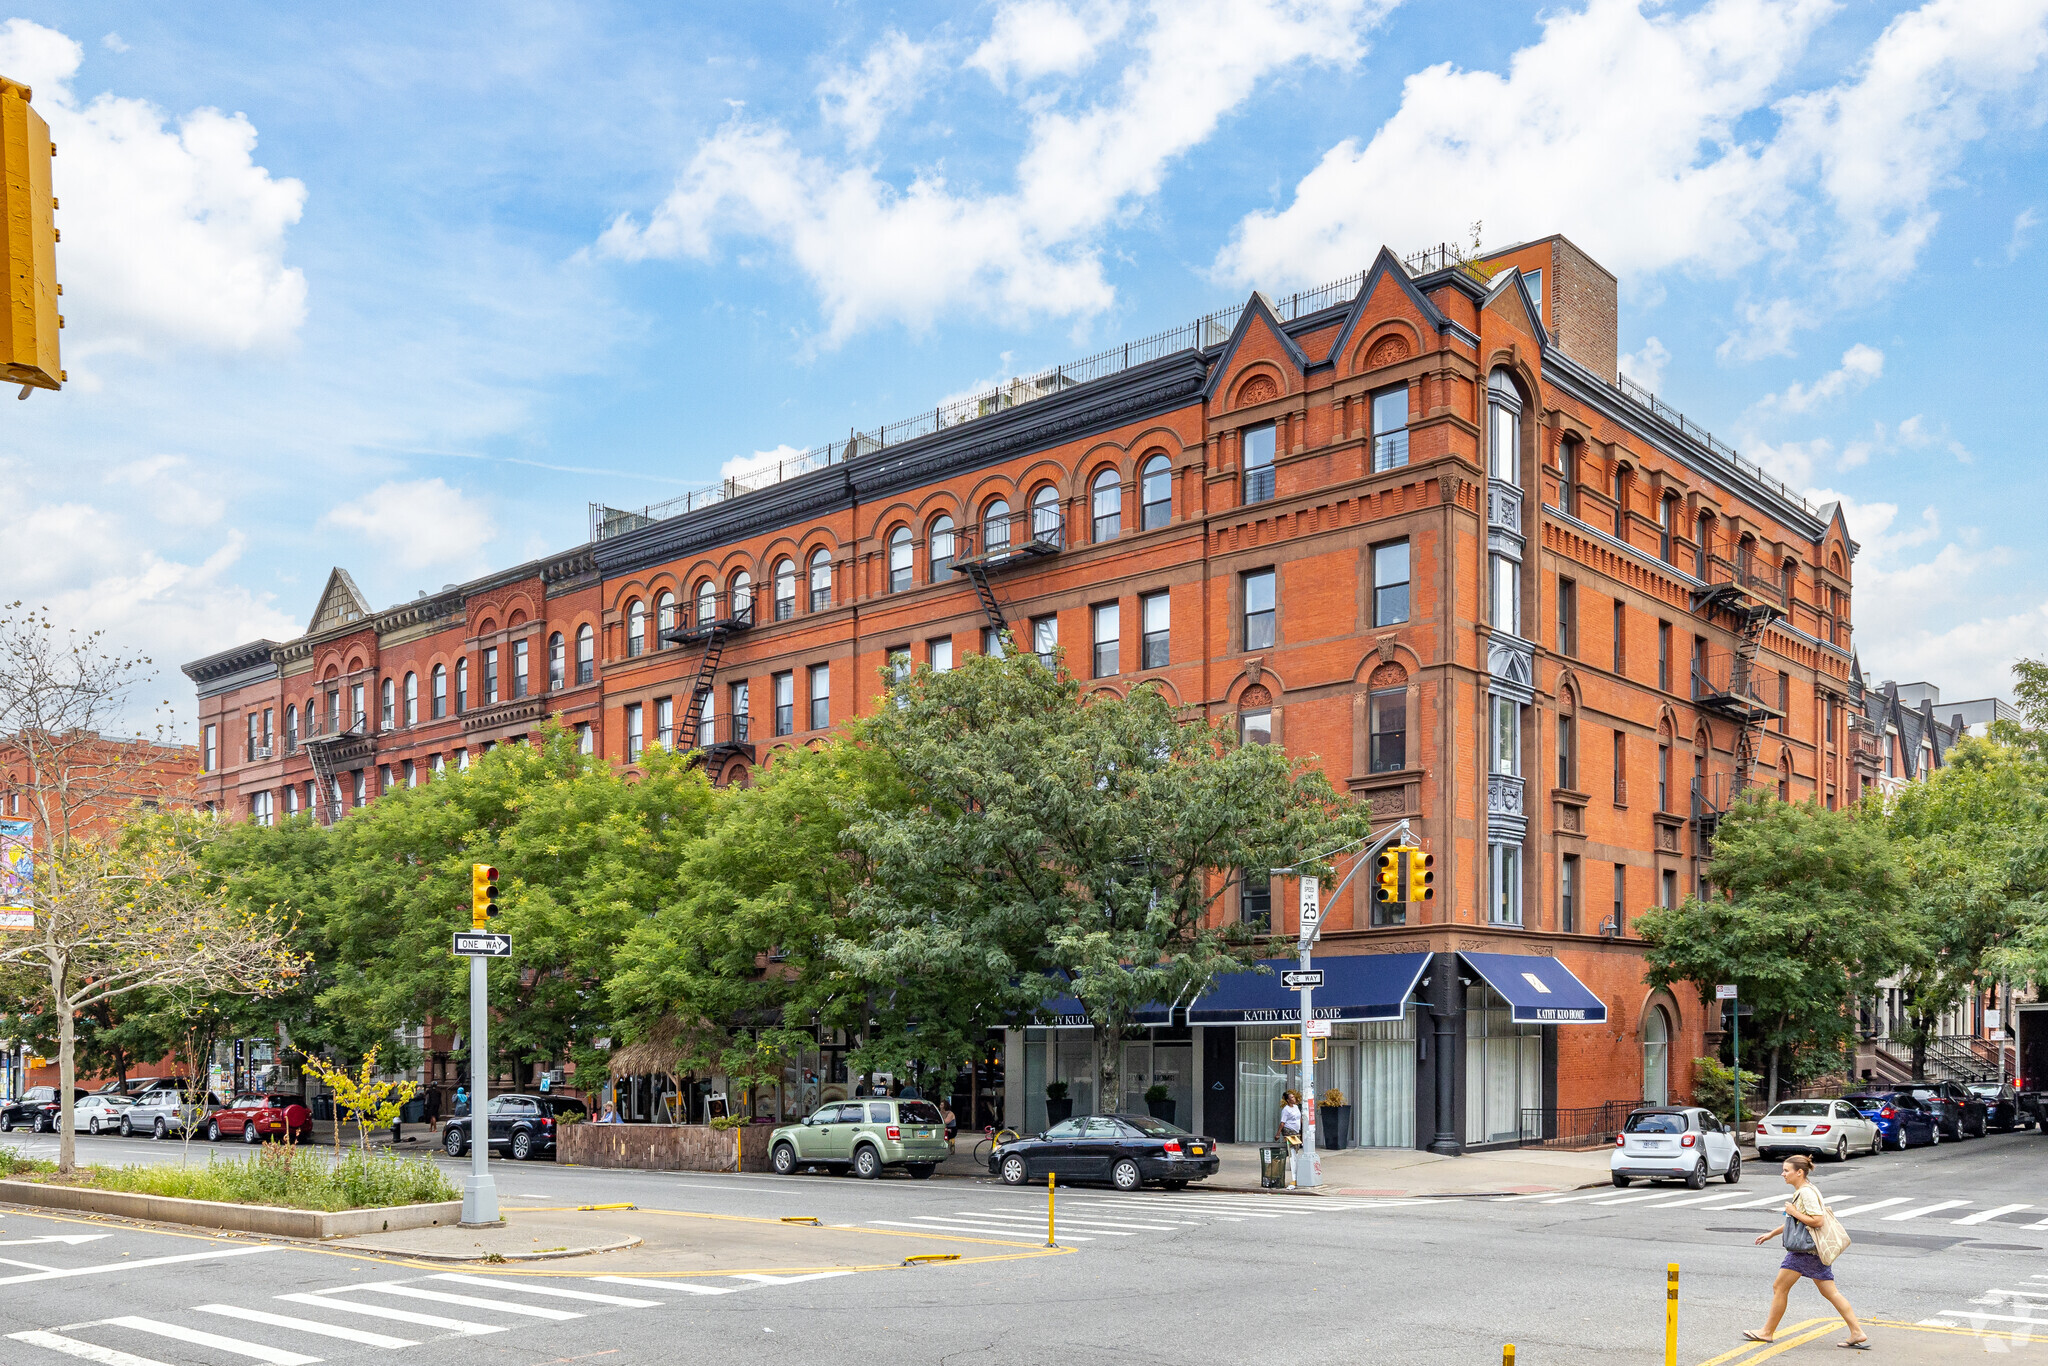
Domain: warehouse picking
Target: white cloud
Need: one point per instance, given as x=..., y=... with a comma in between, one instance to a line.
x=741, y=465
x=1031, y=39
x=2023, y=225
x=1624, y=124
x=1795, y=462
x=112, y=43
x=1861, y=365
x=173, y=236
x=875, y=252
x=171, y=492
x=1646, y=367
x=859, y=99
x=419, y=523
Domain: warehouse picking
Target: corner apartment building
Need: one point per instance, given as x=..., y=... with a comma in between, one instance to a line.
x=1412, y=524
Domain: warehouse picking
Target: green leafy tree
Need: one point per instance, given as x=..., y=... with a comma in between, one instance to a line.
x=1053, y=844
x=1804, y=913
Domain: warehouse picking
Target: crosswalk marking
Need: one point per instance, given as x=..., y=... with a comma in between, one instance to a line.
x=1775, y=1198
x=1568, y=1199
x=496, y=1283
x=1702, y=1199
x=326, y=1330
x=687, y=1287
x=84, y=1351
x=767, y=1278
x=199, y=1337
x=1633, y=1199
x=931, y=1227
x=413, y=1292
x=1843, y=1212
x=1979, y=1314
x=1936, y=1207
x=379, y=1311
x=1084, y=1218
x=1985, y=1216
x=238, y=1250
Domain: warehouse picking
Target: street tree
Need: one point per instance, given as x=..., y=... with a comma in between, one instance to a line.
x=1050, y=843
x=1803, y=915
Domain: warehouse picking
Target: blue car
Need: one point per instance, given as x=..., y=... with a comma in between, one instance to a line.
x=1901, y=1120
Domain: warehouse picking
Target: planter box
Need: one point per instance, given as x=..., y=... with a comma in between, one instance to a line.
x=287, y=1223
x=665, y=1147
x=1058, y=1111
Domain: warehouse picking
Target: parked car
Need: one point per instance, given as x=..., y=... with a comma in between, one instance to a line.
x=37, y=1108
x=1668, y=1142
x=253, y=1118
x=1962, y=1115
x=1901, y=1120
x=98, y=1111
x=864, y=1137
x=164, y=1112
x=1825, y=1128
x=2003, y=1110
x=1125, y=1150
x=523, y=1125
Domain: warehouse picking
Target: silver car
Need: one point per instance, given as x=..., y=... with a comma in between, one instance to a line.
x=161, y=1114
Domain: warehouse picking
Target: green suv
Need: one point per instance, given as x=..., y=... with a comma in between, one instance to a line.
x=864, y=1136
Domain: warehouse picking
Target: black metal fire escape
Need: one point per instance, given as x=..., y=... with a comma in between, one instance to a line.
x=1751, y=595
x=1007, y=542
x=329, y=754
x=711, y=621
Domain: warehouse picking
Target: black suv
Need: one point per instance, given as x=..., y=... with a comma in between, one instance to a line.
x=37, y=1108
x=2002, y=1104
x=522, y=1125
x=1960, y=1114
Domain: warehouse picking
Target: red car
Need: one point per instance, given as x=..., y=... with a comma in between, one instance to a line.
x=255, y=1118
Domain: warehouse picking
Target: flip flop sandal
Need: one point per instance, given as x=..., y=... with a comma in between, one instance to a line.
x=1756, y=1337
x=1860, y=1345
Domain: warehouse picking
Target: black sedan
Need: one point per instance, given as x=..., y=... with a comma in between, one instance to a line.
x=1960, y=1114
x=2002, y=1104
x=524, y=1126
x=37, y=1108
x=1125, y=1150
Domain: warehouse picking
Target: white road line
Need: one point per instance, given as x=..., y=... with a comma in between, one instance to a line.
x=1702, y=1199
x=1023, y=1228
x=766, y=1279
x=240, y=1250
x=84, y=1351
x=1633, y=1199
x=1079, y=1219
x=491, y=1283
x=1980, y=1314
x=255, y=1351
x=32, y=1266
x=1008, y=1233
x=1984, y=1216
x=687, y=1287
x=1567, y=1199
x=1924, y=1209
x=413, y=1292
x=1781, y=1198
x=2015, y=1294
x=378, y=1311
x=1511, y=1199
x=325, y=1330
x=1844, y=1211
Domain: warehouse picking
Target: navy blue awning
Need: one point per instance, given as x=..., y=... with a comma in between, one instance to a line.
x=1356, y=986
x=1067, y=1012
x=1540, y=990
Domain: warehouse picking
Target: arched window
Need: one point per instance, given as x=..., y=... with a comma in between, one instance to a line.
x=1666, y=513
x=899, y=559
x=558, y=662
x=1706, y=541
x=1046, y=523
x=586, y=654
x=437, y=688
x=1656, y=1057
x=707, y=603
x=636, y=628
x=291, y=729
x=1155, y=493
x=940, y=549
x=743, y=596
x=821, y=579
x=785, y=589
x=387, y=712
x=412, y=699
x=1568, y=477
x=1106, y=507
x=666, y=618
x=1504, y=427
x=462, y=685
x=995, y=526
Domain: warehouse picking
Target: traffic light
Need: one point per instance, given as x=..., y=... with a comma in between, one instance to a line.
x=1420, y=875
x=1387, y=873
x=28, y=244
x=483, y=893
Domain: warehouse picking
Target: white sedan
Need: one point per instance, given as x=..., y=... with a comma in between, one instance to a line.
x=1825, y=1128
x=101, y=1112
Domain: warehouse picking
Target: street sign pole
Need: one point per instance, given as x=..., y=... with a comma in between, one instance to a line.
x=1308, y=1169
x=479, y=1191
x=1728, y=993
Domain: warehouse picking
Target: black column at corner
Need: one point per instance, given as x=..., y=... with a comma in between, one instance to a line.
x=1446, y=1003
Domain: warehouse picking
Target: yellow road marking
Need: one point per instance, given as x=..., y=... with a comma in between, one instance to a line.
x=1747, y=1347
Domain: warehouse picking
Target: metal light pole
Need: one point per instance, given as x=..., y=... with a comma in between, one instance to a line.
x=1309, y=1172
x=479, y=1191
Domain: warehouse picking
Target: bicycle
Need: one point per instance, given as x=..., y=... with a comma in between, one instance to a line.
x=992, y=1139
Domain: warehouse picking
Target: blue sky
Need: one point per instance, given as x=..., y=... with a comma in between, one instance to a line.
x=407, y=290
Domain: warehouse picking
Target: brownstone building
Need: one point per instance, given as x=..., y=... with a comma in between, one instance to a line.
x=1412, y=524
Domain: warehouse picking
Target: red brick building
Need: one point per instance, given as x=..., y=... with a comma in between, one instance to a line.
x=1412, y=524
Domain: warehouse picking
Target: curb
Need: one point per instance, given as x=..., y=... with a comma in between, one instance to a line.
x=616, y=1245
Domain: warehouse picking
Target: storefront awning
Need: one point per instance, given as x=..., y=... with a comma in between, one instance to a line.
x=1356, y=986
x=1066, y=1012
x=1539, y=990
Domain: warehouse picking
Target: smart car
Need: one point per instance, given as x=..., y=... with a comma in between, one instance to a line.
x=1669, y=1142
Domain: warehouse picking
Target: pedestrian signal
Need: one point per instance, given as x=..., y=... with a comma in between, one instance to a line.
x=483, y=893
x=1286, y=1048
x=29, y=321
x=1388, y=876
x=1420, y=875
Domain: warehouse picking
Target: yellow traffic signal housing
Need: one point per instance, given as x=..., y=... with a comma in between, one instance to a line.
x=483, y=894
x=28, y=240
x=1420, y=875
x=1287, y=1048
x=1387, y=876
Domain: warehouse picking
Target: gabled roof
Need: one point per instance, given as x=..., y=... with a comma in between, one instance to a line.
x=341, y=603
x=1513, y=280
x=1259, y=307
x=1385, y=265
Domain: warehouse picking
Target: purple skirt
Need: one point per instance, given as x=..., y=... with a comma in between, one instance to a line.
x=1807, y=1264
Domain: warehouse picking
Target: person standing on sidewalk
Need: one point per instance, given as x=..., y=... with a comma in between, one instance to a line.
x=1290, y=1119
x=1804, y=1216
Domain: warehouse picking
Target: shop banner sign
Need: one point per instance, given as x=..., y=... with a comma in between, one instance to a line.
x=17, y=875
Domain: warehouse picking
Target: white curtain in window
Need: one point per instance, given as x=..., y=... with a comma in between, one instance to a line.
x=1656, y=1057
x=1383, y=1111
x=1503, y=1068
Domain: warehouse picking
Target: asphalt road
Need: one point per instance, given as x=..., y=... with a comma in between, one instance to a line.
x=1187, y=1278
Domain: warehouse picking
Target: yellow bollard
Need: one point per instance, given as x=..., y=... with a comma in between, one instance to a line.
x=1671, y=1315
x=1507, y=1354
x=1048, y=1211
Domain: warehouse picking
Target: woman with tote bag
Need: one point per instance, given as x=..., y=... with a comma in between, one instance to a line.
x=1813, y=1239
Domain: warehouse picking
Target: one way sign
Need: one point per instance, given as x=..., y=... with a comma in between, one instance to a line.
x=473, y=945
x=1302, y=977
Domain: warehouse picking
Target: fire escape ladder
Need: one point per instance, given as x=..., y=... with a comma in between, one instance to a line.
x=326, y=799
x=976, y=571
x=707, y=667
x=1748, y=739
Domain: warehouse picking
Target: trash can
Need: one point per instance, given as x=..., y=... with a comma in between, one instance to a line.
x=1273, y=1168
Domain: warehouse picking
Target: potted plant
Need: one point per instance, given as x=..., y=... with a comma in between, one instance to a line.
x=1333, y=1121
x=1159, y=1101
x=1058, y=1108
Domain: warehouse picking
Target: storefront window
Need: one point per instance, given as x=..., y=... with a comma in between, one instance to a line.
x=1050, y=1055
x=1503, y=1069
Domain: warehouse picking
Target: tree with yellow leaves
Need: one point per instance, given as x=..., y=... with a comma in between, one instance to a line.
x=372, y=1104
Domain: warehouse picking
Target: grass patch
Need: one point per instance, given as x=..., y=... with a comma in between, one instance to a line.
x=279, y=1174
